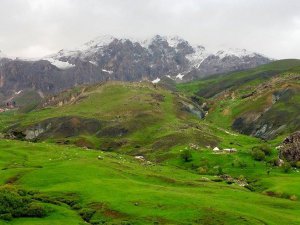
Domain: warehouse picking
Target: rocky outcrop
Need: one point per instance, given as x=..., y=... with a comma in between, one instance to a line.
x=290, y=149
x=275, y=116
x=61, y=127
x=43, y=77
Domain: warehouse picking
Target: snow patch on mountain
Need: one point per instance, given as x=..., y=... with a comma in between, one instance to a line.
x=94, y=63
x=87, y=49
x=98, y=42
x=60, y=64
x=180, y=76
x=156, y=80
x=198, y=56
x=235, y=52
x=107, y=71
x=172, y=41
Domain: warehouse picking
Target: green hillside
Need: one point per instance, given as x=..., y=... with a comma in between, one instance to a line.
x=143, y=153
x=136, y=118
x=263, y=102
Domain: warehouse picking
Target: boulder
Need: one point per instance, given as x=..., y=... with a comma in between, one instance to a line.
x=290, y=149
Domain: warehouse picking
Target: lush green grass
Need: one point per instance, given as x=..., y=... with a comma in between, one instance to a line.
x=77, y=184
x=124, y=189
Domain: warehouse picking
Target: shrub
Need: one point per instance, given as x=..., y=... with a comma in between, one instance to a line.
x=35, y=210
x=273, y=161
x=186, y=156
x=6, y=216
x=15, y=203
x=258, y=155
x=293, y=198
x=266, y=149
x=202, y=170
x=216, y=170
x=286, y=167
x=250, y=187
x=242, y=178
x=220, y=170
x=76, y=206
x=86, y=214
x=298, y=164
x=239, y=163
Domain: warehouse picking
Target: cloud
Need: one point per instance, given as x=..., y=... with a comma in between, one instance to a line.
x=32, y=28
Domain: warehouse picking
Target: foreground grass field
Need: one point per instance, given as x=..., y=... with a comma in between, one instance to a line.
x=119, y=189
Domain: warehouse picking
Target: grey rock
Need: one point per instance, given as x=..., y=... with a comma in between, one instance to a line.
x=290, y=149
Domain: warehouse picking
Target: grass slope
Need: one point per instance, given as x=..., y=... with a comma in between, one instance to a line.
x=262, y=101
x=122, y=190
x=136, y=118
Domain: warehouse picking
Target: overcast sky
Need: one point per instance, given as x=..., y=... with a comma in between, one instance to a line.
x=33, y=28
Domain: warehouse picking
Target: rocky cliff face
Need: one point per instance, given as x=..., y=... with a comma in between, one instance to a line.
x=109, y=58
x=20, y=76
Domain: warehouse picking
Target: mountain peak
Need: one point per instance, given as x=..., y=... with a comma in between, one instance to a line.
x=99, y=41
x=172, y=40
x=235, y=52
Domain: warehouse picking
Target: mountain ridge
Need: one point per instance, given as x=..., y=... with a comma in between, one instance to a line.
x=195, y=54
x=110, y=58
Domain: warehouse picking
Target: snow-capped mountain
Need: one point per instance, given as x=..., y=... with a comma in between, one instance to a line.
x=127, y=59
x=133, y=59
x=88, y=49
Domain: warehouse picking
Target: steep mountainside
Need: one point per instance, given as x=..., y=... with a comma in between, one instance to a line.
x=109, y=58
x=263, y=102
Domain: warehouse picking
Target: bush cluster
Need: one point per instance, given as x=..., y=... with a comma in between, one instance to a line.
x=186, y=156
x=16, y=203
x=259, y=153
x=286, y=167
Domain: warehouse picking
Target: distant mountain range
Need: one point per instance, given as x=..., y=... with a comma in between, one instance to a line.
x=110, y=58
